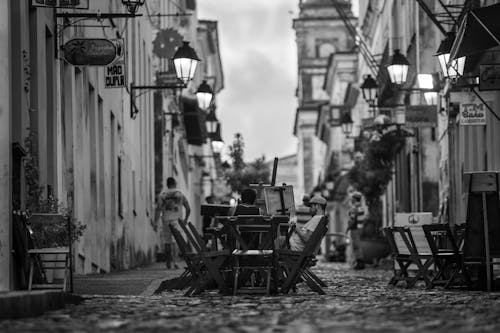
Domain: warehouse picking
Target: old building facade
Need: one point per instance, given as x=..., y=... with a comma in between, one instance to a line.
x=71, y=138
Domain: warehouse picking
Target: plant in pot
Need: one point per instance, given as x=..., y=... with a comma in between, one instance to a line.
x=370, y=175
x=52, y=225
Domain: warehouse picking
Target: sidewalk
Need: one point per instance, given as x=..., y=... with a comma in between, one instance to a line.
x=138, y=281
x=141, y=281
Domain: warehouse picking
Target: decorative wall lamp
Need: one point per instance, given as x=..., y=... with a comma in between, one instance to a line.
x=204, y=94
x=131, y=5
x=426, y=83
x=217, y=146
x=212, y=122
x=398, y=68
x=185, y=61
x=369, y=89
x=455, y=68
x=347, y=124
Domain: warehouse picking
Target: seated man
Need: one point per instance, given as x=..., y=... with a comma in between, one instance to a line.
x=247, y=205
x=301, y=235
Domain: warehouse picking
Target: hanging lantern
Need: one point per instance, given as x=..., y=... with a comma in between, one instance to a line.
x=212, y=122
x=217, y=146
x=426, y=82
x=398, y=68
x=204, y=95
x=346, y=123
x=369, y=89
x=452, y=70
x=133, y=5
x=185, y=62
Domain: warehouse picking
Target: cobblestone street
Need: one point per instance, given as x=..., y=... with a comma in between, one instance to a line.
x=356, y=301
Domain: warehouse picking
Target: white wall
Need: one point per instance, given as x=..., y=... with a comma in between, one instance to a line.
x=5, y=150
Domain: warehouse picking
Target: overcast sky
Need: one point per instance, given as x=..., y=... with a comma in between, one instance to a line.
x=259, y=55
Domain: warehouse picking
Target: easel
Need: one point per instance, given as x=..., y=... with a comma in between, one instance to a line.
x=481, y=246
x=259, y=188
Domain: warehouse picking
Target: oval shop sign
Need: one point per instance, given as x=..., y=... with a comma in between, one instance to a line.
x=89, y=52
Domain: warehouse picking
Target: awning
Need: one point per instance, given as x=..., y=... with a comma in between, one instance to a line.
x=194, y=121
x=479, y=31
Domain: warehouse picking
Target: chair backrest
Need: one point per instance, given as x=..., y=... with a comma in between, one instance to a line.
x=183, y=245
x=414, y=236
x=248, y=227
x=197, y=237
x=439, y=236
x=190, y=238
x=405, y=241
x=314, y=241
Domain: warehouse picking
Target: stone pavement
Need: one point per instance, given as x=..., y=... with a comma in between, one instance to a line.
x=355, y=301
x=138, y=281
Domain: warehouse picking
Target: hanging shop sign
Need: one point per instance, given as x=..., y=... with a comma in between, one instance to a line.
x=489, y=77
x=75, y=4
x=421, y=116
x=90, y=52
x=115, y=73
x=472, y=111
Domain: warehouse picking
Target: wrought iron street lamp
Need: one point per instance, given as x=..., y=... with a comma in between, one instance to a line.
x=346, y=123
x=185, y=62
x=204, y=94
x=217, y=146
x=426, y=83
x=369, y=89
x=212, y=122
x=452, y=70
x=133, y=5
x=398, y=68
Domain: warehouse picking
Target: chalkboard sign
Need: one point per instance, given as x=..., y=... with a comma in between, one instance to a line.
x=482, y=229
x=474, y=242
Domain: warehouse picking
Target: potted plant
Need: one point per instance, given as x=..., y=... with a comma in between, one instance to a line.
x=51, y=224
x=370, y=175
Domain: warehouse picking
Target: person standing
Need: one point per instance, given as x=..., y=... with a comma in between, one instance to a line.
x=357, y=214
x=169, y=206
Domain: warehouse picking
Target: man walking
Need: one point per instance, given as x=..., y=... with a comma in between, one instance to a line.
x=169, y=206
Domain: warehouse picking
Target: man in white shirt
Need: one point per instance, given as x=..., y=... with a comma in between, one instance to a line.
x=301, y=235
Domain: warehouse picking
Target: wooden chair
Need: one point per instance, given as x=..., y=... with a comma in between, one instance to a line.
x=53, y=264
x=447, y=256
x=204, y=265
x=254, y=239
x=412, y=256
x=296, y=264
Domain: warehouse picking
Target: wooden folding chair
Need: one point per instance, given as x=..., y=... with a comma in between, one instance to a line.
x=447, y=256
x=296, y=264
x=413, y=259
x=204, y=265
x=254, y=243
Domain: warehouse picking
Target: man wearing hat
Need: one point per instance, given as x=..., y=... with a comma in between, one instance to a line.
x=301, y=235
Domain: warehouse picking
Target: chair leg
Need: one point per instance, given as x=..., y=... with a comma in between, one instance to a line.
x=30, y=281
x=235, y=285
x=269, y=272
